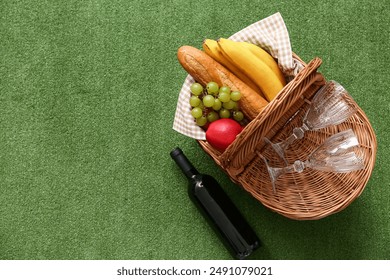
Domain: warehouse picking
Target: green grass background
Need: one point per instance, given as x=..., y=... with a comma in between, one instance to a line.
x=88, y=91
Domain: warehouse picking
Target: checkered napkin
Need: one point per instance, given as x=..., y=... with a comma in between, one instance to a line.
x=271, y=34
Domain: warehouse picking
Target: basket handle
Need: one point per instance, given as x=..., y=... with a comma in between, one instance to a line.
x=242, y=150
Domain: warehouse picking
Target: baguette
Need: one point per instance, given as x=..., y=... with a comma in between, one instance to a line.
x=205, y=69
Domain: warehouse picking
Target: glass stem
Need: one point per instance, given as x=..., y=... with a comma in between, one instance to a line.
x=282, y=146
x=275, y=172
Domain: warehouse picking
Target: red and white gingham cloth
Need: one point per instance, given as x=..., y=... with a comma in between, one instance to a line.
x=271, y=34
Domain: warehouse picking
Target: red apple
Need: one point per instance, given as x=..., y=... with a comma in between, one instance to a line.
x=221, y=133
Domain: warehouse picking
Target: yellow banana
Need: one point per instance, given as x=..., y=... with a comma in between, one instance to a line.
x=252, y=66
x=212, y=48
x=267, y=58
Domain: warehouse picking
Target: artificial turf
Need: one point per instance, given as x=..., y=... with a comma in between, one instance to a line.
x=88, y=91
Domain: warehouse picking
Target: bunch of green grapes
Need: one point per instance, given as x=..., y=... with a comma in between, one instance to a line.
x=213, y=102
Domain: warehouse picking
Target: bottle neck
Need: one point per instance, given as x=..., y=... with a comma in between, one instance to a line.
x=185, y=165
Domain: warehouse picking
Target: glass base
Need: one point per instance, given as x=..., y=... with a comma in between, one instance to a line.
x=277, y=148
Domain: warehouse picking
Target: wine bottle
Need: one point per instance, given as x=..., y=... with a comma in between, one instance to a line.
x=218, y=209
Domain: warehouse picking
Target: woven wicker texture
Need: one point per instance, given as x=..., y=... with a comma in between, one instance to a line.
x=302, y=196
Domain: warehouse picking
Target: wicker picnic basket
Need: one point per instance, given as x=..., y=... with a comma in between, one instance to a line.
x=308, y=195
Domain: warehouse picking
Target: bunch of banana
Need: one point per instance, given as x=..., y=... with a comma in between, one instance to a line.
x=212, y=48
x=250, y=63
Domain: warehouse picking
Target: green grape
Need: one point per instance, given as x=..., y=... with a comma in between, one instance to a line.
x=208, y=101
x=212, y=88
x=224, y=89
x=224, y=113
x=212, y=116
x=201, y=121
x=194, y=101
x=238, y=116
x=224, y=96
x=196, y=112
x=196, y=89
x=235, y=95
x=236, y=106
x=217, y=104
x=229, y=105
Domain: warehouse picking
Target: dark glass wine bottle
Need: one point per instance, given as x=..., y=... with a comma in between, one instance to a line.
x=218, y=209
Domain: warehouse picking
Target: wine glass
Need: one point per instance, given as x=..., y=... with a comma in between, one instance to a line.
x=336, y=154
x=331, y=105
